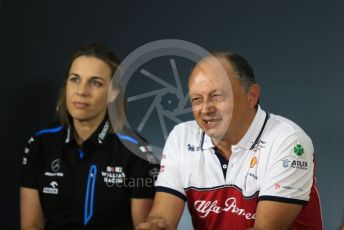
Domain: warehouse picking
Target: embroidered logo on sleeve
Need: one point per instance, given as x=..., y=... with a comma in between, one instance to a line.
x=298, y=151
x=52, y=189
x=297, y=158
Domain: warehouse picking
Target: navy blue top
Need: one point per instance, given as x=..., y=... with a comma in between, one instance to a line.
x=88, y=186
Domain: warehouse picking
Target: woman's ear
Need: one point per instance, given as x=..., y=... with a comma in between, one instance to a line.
x=113, y=95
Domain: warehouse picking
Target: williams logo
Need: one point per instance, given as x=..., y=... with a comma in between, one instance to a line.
x=113, y=175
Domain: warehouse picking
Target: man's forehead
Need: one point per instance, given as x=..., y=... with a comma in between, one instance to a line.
x=216, y=68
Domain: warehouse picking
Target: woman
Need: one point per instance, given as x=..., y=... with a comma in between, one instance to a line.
x=75, y=174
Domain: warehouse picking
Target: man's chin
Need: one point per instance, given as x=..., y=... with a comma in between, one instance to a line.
x=214, y=135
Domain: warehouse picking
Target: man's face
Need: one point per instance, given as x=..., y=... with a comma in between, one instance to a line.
x=217, y=98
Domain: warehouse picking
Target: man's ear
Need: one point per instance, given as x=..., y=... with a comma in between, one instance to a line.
x=253, y=94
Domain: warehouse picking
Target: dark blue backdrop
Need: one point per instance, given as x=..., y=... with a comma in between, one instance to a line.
x=295, y=48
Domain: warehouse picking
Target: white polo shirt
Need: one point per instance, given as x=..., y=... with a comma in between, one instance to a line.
x=273, y=161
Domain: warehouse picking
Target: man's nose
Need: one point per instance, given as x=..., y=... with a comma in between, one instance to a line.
x=208, y=107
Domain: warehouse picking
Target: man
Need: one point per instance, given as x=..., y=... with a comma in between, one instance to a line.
x=237, y=166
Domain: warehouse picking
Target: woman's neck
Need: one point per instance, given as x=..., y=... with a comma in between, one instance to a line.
x=84, y=129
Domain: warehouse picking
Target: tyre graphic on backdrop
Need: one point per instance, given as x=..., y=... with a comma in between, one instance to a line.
x=154, y=79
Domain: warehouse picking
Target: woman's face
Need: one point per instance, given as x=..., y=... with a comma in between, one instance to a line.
x=87, y=89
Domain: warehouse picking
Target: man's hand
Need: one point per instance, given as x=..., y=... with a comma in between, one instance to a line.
x=154, y=224
x=165, y=214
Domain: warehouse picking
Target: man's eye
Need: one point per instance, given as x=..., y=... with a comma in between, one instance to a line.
x=218, y=97
x=196, y=101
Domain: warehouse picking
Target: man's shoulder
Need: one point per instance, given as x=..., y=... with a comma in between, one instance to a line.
x=283, y=129
x=284, y=125
x=187, y=131
x=187, y=125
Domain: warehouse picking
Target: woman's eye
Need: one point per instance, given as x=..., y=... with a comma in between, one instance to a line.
x=74, y=79
x=96, y=83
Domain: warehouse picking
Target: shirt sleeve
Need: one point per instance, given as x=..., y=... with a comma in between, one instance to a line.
x=289, y=174
x=30, y=164
x=141, y=177
x=170, y=178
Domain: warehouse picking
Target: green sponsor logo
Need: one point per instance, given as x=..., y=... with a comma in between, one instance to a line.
x=298, y=150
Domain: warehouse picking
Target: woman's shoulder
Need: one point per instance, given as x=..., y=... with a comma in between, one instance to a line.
x=53, y=131
x=52, y=128
x=137, y=144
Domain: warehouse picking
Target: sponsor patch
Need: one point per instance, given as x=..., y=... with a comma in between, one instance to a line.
x=55, y=165
x=298, y=151
x=192, y=148
x=113, y=175
x=279, y=186
x=52, y=189
x=253, y=162
x=296, y=164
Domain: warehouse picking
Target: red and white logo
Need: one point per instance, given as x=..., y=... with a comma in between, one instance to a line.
x=205, y=207
x=215, y=208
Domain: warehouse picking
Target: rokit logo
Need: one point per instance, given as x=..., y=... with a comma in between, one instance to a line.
x=52, y=189
x=204, y=208
x=113, y=175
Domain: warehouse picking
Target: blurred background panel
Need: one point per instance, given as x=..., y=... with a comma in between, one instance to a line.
x=295, y=47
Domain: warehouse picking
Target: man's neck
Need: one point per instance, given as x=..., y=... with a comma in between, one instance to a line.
x=225, y=149
x=233, y=138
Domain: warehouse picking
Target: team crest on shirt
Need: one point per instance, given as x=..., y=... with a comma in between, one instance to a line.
x=113, y=175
